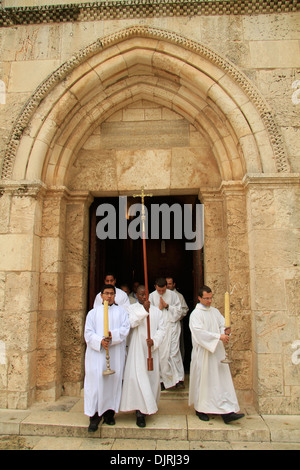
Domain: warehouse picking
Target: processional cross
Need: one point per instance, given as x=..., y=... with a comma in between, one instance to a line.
x=142, y=196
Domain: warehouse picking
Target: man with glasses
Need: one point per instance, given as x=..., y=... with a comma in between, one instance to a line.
x=211, y=387
x=102, y=393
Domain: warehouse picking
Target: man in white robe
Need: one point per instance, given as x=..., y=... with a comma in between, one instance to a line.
x=102, y=393
x=171, y=365
x=184, y=310
x=141, y=388
x=121, y=298
x=211, y=387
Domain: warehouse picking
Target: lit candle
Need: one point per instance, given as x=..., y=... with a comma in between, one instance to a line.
x=106, y=328
x=227, y=311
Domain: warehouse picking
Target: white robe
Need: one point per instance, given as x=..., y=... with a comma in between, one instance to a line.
x=121, y=299
x=184, y=306
x=171, y=365
x=211, y=387
x=141, y=388
x=184, y=311
x=101, y=392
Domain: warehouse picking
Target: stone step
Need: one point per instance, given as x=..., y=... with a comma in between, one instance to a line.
x=175, y=420
x=167, y=427
x=175, y=394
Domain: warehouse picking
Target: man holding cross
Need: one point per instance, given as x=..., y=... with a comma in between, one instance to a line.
x=141, y=387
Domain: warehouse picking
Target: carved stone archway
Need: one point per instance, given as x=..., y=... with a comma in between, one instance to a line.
x=206, y=82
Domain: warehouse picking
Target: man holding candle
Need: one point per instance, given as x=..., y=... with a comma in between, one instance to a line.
x=102, y=393
x=211, y=387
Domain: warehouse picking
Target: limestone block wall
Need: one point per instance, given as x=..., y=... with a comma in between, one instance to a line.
x=62, y=295
x=273, y=208
x=20, y=231
x=251, y=220
x=144, y=142
x=264, y=46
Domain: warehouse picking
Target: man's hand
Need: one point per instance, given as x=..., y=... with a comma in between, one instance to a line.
x=162, y=304
x=149, y=342
x=224, y=338
x=105, y=342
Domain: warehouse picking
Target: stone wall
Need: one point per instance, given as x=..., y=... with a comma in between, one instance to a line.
x=93, y=107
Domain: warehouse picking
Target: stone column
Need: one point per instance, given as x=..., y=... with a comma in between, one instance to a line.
x=51, y=296
x=238, y=280
x=215, y=255
x=20, y=230
x=274, y=214
x=75, y=291
x=226, y=268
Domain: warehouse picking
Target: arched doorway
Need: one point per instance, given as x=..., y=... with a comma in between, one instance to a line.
x=167, y=251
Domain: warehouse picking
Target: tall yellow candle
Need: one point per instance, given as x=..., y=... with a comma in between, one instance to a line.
x=227, y=311
x=106, y=326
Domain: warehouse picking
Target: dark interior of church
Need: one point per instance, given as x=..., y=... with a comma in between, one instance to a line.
x=165, y=257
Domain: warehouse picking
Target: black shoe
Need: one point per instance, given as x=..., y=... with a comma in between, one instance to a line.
x=94, y=422
x=202, y=416
x=108, y=417
x=140, y=419
x=232, y=417
x=180, y=385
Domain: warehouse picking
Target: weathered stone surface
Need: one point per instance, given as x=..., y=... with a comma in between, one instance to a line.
x=186, y=104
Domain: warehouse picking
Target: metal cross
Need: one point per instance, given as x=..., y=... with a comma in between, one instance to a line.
x=142, y=196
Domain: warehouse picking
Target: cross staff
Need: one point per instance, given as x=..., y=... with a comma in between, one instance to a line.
x=142, y=196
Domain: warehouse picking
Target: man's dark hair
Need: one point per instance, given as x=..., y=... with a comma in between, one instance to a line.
x=110, y=273
x=108, y=286
x=204, y=289
x=161, y=282
x=140, y=287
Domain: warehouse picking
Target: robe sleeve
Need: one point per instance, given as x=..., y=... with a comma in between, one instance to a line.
x=90, y=336
x=120, y=334
x=160, y=333
x=136, y=315
x=97, y=301
x=206, y=339
x=184, y=308
x=174, y=311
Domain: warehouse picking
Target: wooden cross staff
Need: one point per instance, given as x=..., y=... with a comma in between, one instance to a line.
x=142, y=196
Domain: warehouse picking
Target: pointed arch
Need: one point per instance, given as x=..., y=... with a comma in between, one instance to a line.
x=183, y=75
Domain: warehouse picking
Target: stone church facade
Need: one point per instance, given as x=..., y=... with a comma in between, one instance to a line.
x=100, y=98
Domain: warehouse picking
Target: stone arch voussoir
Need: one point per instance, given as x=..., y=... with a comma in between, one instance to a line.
x=229, y=81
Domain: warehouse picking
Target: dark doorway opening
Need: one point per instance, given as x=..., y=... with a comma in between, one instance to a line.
x=165, y=256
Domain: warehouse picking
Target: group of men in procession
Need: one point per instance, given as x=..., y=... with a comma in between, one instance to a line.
x=133, y=387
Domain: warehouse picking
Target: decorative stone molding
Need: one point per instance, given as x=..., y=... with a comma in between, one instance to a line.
x=271, y=180
x=22, y=188
x=105, y=10
x=240, y=78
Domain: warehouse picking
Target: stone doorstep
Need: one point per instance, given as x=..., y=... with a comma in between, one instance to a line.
x=170, y=427
x=178, y=427
x=175, y=420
